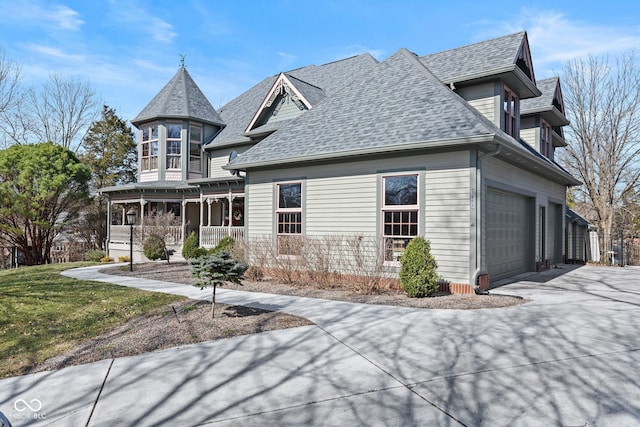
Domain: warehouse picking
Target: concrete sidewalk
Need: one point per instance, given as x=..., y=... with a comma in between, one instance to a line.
x=569, y=357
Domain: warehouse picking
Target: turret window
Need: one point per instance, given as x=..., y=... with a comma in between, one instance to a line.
x=195, y=146
x=149, y=148
x=174, y=143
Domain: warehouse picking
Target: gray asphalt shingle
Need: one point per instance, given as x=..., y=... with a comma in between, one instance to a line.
x=328, y=78
x=398, y=102
x=543, y=102
x=478, y=59
x=180, y=98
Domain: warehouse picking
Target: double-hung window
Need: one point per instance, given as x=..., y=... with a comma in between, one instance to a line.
x=289, y=218
x=545, y=140
x=400, y=211
x=511, y=112
x=195, y=149
x=174, y=143
x=149, y=157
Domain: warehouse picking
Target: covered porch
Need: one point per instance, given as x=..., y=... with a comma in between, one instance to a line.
x=212, y=216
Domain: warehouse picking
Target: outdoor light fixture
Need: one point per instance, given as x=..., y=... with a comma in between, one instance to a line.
x=131, y=219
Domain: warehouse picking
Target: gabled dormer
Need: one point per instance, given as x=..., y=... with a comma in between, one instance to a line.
x=543, y=118
x=493, y=76
x=172, y=130
x=287, y=98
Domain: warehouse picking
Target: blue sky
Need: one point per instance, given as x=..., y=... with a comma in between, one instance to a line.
x=128, y=49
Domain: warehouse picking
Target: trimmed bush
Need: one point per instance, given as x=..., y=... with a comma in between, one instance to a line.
x=94, y=256
x=190, y=248
x=106, y=259
x=154, y=247
x=124, y=258
x=224, y=245
x=418, y=276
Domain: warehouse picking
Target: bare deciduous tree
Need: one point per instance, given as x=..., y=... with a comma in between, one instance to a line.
x=9, y=79
x=60, y=111
x=64, y=108
x=603, y=104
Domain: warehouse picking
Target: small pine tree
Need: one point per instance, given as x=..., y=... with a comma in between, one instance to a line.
x=214, y=270
x=418, y=276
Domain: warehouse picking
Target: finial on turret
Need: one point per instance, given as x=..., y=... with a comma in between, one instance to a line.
x=182, y=56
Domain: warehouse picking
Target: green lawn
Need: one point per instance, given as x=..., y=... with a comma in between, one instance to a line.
x=43, y=313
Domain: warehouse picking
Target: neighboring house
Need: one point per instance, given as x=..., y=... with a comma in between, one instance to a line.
x=368, y=151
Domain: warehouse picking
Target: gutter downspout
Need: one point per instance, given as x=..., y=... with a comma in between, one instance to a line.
x=479, y=205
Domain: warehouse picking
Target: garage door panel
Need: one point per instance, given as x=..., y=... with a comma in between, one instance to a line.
x=507, y=234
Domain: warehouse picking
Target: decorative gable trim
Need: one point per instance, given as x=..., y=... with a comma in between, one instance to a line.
x=281, y=86
x=523, y=60
x=558, y=100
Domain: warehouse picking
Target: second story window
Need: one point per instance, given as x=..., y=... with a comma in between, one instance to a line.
x=149, y=145
x=174, y=143
x=195, y=147
x=511, y=112
x=545, y=140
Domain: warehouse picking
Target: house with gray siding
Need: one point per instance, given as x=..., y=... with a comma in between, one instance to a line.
x=369, y=154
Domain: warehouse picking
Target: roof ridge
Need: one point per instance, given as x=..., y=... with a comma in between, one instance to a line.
x=476, y=43
x=290, y=76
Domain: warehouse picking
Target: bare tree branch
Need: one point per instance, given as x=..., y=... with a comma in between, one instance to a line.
x=603, y=104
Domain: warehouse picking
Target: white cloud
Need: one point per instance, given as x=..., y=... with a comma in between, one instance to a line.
x=128, y=13
x=555, y=38
x=54, y=53
x=52, y=17
x=64, y=17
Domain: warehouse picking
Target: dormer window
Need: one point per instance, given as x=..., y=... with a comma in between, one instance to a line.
x=149, y=146
x=545, y=140
x=511, y=112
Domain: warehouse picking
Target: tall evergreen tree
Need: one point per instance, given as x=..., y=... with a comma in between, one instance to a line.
x=110, y=150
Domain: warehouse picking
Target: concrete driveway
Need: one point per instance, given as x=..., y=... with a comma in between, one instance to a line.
x=570, y=357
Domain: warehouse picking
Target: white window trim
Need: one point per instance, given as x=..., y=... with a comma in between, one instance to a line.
x=384, y=208
x=279, y=210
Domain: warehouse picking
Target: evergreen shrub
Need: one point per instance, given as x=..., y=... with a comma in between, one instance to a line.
x=225, y=244
x=94, y=256
x=418, y=276
x=154, y=247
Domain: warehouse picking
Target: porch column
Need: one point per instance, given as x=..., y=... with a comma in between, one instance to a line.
x=184, y=219
x=209, y=202
x=201, y=214
x=230, y=197
x=106, y=244
x=142, y=204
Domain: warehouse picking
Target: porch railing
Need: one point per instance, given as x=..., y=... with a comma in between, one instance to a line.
x=210, y=235
x=120, y=233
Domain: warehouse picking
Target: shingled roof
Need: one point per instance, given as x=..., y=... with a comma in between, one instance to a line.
x=489, y=58
x=547, y=104
x=317, y=82
x=399, y=103
x=181, y=98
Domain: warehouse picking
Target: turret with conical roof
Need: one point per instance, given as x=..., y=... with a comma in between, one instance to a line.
x=173, y=128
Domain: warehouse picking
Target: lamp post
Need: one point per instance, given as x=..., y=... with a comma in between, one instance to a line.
x=131, y=219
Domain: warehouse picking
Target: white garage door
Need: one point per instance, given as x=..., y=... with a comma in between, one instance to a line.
x=507, y=232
